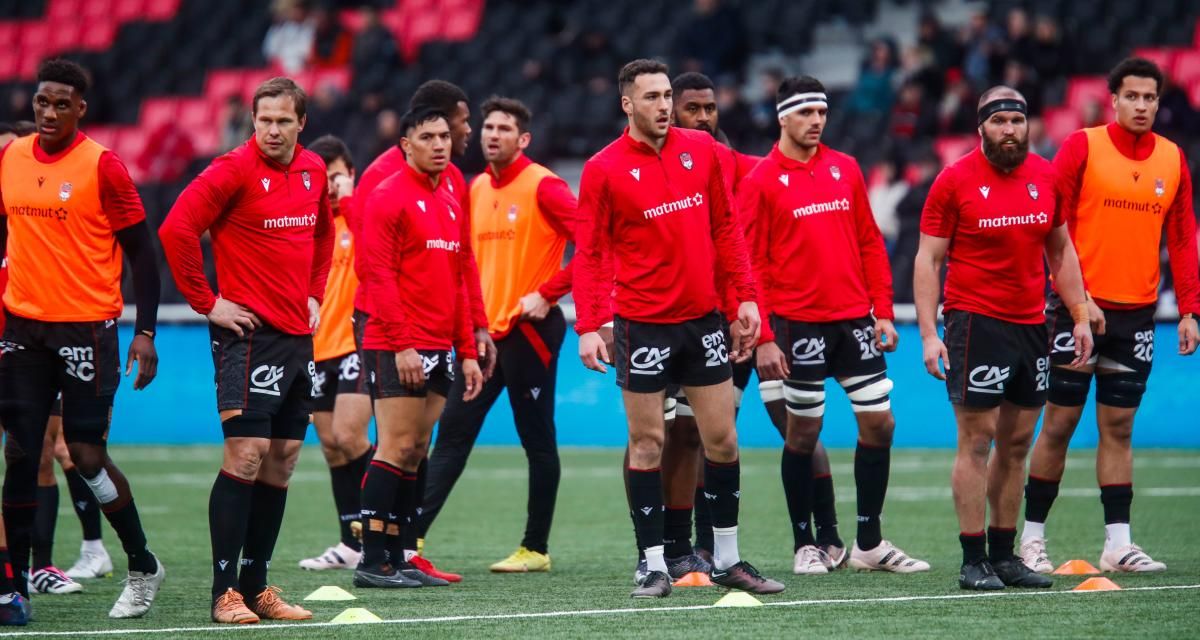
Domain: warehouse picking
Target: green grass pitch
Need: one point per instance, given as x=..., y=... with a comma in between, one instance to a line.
x=592, y=548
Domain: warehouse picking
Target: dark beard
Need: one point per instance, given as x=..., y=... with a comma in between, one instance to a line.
x=1002, y=158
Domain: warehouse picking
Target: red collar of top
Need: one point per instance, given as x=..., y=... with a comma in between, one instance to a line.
x=253, y=143
x=642, y=147
x=41, y=155
x=1130, y=145
x=509, y=173
x=795, y=165
x=421, y=178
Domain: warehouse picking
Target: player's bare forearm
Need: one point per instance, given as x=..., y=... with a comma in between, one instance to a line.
x=931, y=255
x=1064, y=266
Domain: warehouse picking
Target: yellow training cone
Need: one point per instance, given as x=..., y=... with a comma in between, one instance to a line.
x=356, y=615
x=330, y=593
x=738, y=599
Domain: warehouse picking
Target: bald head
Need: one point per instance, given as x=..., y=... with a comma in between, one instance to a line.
x=999, y=92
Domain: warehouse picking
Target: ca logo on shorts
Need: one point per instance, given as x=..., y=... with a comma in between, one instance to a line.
x=988, y=379
x=1064, y=343
x=349, y=368
x=648, y=361
x=265, y=380
x=808, y=351
x=80, y=362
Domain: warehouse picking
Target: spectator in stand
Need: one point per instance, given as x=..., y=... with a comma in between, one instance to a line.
x=874, y=92
x=1092, y=114
x=1176, y=118
x=236, y=124
x=18, y=104
x=326, y=113
x=917, y=65
x=947, y=54
x=1018, y=38
x=361, y=126
x=1039, y=142
x=1018, y=76
x=908, y=220
x=290, y=39
x=736, y=121
x=1049, y=57
x=885, y=193
x=957, y=111
x=167, y=154
x=332, y=45
x=764, y=111
x=913, y=116
x=713, y=40
x=374, y=46
x=983, y=43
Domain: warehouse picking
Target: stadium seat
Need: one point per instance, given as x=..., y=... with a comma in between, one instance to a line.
x=65, y=35
x=222, y=83
x=1082, y=89
x=1164, y=57
x=66, y=9
x=1060, y=122
x=951, y=148
x=195, y=114
x=125, y=10
x=98, y=35
x=1186, y=68
x=161, y=9
x=156, y=111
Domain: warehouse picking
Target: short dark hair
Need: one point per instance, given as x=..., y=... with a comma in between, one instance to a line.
x=418, y=116
x=7, y=127
x=512, y=107
x=438, y=94
x=65, y=72
x=281, y=86
x=692, y=81
x=798, y=84
x=1139, y=67
x=331, y=148
x=640, y=67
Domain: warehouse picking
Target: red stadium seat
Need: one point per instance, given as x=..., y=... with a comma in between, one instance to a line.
x=1194, y=93
x=10, y=65
x=33, y=36
x=125, y=10
x=461, y=25
x=98, y=35
x=1186, y=68
x=65, y=9
x=221, y=84
x=951, y=148
x=206, y=140
x=96, y=11
x=129, y=144
x=196, y=113
x=65, y=35
x=1084, y=88
x=156, y=111
x=105, y=135
x=352, y=20
x=1060, y=122
x=252, y=79
x=161, y=9
x=339, y=78
x=1164, y=57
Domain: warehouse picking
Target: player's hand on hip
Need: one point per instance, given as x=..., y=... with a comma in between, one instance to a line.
x=314, y=314
x=142, y=350
x=1189, y=336
x=233, y=316
x=935, y=354
x=886, y=338
x=1096, y=317
x=772, y=363
x=412, y=371
x=534, y=307
x=746, y=330
x=488, y=355
x=473, y=376
x=593, y=352
x=1083, y=343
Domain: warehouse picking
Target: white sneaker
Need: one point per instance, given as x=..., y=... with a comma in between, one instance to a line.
x=835, y=556
x=1033, y=554
x=1129, y=558
x=885, y=557
x=810, y=560
x=91, y=564
x=336, y=557
x=139, y=592
x=51, y=580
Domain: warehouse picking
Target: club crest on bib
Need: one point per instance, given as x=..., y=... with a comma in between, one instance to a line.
x=345, y=240
x=685, y=159
x=1160, y=187
x=1033, y=192
x=307, y=180
x=836, y=173
x=64, y=191
x=512, y=213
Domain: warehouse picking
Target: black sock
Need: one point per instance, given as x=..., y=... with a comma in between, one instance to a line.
x=1000, y=543
x=796, y=471
x=412, y=512
x=723, y=482
x=704, y=533
x=871, y=468
x=378, y=500
x=1039, y=497
x=677, y=531
x=6, y=572
x=128, y=525
x=266, y=518
x=86, y=506
x=974, y=546
x=18, y=524
x=43, y=527
x=1117, y=499
x=228, y=518
x=347, y=489
x=825, y=511
x=645, y=491
x=401, y=519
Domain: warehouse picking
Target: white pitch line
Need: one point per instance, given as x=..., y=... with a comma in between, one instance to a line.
x=565, y=614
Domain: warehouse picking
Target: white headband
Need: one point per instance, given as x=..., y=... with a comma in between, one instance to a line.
x=801, y=101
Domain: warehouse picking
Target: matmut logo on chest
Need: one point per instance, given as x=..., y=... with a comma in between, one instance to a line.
x=1000, y=222
x=687, y=202
x=288, y=222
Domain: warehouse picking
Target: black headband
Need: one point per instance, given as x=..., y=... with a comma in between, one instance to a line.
x=1001, y=104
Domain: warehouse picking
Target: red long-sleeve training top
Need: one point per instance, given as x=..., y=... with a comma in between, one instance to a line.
x=390, y=162
x=818, y=254
x=412, y=268
x=666, y=220
x=272, y=235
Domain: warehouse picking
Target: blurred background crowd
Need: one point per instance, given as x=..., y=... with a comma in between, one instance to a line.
x=172, y=78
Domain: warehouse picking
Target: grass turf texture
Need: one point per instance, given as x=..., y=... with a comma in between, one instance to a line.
x=592, y=549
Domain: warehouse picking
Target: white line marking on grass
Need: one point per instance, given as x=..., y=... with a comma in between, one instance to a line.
x=585, y=612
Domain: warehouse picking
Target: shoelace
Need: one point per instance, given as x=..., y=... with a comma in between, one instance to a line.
x=139, y=587
x=812, y=555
